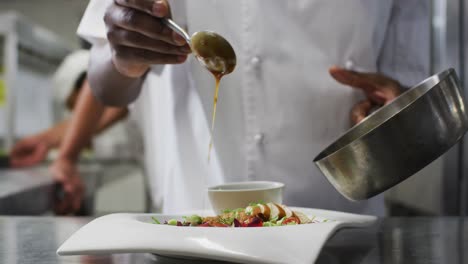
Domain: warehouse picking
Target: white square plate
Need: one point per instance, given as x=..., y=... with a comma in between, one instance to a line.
x=136, y=233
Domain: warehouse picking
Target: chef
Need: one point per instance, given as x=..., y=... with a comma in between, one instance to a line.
x=282, y=105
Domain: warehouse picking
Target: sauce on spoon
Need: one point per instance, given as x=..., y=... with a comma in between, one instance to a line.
x=217, y=55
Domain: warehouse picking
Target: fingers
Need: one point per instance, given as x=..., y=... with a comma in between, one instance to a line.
x=139, y=38
x=353, y=79
x=377, y=97
x=71, y=188
x=122, y=37
x=380, y=89
x=179, y=39
x=387, y=94
x=74, y=192
x=137, y=21
x=21, y=147
x=28, y=154
x=39, y=154
x=360, y=111
x=159, y=8
x=69, y=204
x=142, y=56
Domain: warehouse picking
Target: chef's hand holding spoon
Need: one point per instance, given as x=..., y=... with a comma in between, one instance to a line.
x=141, y=35
x=379, y=90
x=139, y=38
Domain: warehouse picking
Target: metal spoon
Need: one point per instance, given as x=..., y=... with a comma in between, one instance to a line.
x=212, y=50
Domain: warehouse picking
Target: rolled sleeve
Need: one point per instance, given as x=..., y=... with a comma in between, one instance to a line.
x=405, y=54
x=92, y=27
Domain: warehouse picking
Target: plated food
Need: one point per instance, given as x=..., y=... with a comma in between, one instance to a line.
x=300, y=243
x=254, y=215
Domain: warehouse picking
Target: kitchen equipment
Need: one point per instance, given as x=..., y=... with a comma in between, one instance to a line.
x=212, y=50
x=137, y=233
x=240, y=194
x=29, y=55
x=397, y=140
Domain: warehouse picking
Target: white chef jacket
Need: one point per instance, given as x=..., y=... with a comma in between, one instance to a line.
x=64, y=80
x=280, y=107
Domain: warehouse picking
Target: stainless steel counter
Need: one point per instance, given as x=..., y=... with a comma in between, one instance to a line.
x=393, y=240
x=31, y=191
x=25, y=191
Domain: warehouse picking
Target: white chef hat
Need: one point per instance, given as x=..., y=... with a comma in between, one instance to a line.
x=64, y=79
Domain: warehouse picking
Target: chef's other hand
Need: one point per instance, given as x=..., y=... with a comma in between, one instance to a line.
x=29, y=151
x=70, y=188
x=379, y=90
x=139, y=38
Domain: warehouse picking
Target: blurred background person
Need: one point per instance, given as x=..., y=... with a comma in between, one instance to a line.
x=69, y=83
x=84, y=122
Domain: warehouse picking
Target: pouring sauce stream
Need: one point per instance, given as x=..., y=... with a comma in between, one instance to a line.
x=217, y=55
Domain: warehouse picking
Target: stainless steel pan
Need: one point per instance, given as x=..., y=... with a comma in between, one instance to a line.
x=397, y=140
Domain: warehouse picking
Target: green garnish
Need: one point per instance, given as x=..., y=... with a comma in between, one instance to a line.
x=236, y=214
x=172, y=222
x=280, y=222
x=229, y=216
x=257, y=203
x=249, y=210
x=227, y=211
x=194, y=220
x=226, y=221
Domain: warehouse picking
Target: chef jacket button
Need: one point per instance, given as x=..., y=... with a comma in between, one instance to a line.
x=259, y=138
x=255, y=61
x=349, y=65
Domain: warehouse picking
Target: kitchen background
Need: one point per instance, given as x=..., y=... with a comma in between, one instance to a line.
x=36, y=35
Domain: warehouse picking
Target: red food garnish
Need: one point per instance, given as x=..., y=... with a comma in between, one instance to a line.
x=216, y=224
x=291, y=220
x=237, y=223
x=254, y=222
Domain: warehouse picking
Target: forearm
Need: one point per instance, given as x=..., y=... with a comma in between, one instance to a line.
x=111, y=116
x=53, y=136
x=108, y=84
x=82, y=125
